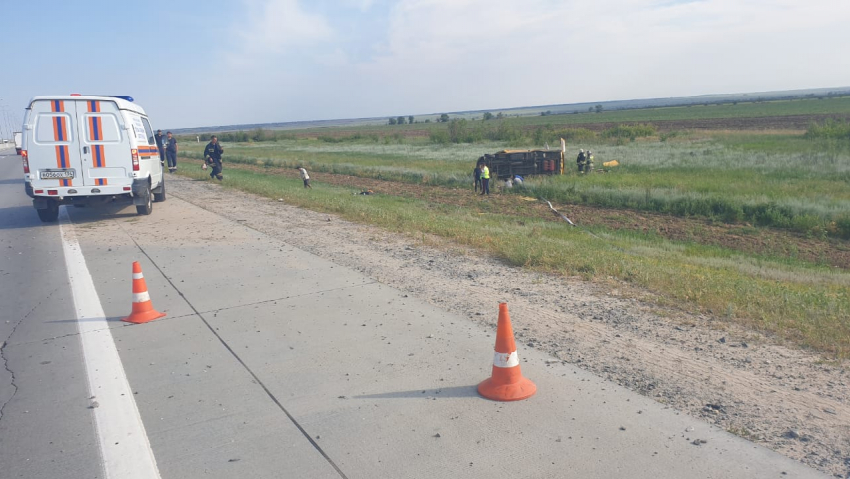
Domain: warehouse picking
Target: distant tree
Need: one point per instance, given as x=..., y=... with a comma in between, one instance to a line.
x=444, y=118
x=488, y=116
x=401, y=120
x=410, y=119
x=393, y=121
x=590, y=109
x=427, y=120
x=598, y=108
x=500, y=116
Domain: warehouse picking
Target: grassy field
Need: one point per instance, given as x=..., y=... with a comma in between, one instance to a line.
x=769, y=179
x=801, y=302
x=756, y=181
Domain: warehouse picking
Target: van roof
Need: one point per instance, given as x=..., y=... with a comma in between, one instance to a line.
x=122, y=103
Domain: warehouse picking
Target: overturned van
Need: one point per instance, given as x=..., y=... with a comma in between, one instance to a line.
x=85, y=150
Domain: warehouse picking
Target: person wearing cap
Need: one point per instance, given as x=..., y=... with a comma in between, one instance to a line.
x=588, y=165
x=581, y=160
x=160, y=145
x=171, y=152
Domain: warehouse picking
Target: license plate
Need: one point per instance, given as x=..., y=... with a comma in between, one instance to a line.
x=56, y=174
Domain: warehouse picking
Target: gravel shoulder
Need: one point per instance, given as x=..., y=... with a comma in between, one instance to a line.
x=788, y=400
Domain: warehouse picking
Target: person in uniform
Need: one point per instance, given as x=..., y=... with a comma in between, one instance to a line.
x=476, y=176
x=212, y=155
x=160, y=145
x=580, y=160
x=171, y=152
x=588, y=165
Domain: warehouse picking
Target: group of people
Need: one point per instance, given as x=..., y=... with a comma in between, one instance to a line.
x=481, y=179
x=585, y=161
x=481, y=175
x=167, y=146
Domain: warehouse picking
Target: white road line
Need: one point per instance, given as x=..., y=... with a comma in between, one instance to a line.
x=125, y=450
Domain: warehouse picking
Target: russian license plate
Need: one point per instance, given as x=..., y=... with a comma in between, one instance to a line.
x=56, y=174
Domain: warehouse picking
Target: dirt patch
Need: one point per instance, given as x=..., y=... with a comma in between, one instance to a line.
x=788, y=400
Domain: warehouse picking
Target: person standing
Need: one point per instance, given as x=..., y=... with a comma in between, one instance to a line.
x=476, y=176
x=160, y=145
x=588, y=165
x=212, y=155
x=171, y=152
x=305, y=177
x=581, y=160
x=485, y=180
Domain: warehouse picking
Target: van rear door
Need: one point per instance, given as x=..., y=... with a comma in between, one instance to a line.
x=54, y=152
x=106, y=156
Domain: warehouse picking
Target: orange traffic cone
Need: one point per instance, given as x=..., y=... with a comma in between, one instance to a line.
x=506, y=383
x=142, y=307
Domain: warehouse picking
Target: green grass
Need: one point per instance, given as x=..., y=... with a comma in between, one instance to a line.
x=802, y=303
x=777, y=180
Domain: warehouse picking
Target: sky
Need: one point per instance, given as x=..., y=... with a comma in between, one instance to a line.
x=224, y=62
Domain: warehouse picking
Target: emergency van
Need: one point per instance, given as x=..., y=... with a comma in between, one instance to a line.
x=88, y=150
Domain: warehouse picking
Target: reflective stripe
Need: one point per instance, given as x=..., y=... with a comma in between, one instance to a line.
x=505, y=360
x=138, y=276
x=144, y=297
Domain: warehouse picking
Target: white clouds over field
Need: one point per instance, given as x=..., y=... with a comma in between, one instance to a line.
x=256, y=61
x=373, y=58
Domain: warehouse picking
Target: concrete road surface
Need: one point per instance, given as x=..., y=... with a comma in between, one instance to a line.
x=272, y=362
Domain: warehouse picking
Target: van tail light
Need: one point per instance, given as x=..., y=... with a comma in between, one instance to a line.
x=135, y=154
x=26, y=159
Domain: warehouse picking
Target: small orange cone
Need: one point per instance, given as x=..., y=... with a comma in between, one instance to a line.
x=142, y=307
x=506, y=383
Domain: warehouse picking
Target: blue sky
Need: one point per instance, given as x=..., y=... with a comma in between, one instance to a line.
x=219, y=62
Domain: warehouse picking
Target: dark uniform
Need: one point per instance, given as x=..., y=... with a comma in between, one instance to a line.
x=212, y=153
x=476, y=175
x=580, y=161
x=171, y=153
x=160, y=145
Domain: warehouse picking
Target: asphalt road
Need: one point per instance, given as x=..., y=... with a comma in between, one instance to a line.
x=272, y=362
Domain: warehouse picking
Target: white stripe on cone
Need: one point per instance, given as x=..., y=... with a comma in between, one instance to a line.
x=138, y=276
x=141, y=297
x=505, y=360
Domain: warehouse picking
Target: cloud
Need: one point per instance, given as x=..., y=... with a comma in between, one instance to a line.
x=273, y=27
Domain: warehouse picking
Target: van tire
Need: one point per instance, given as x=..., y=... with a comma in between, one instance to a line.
x=147, y=207
x=49, y=214
x=159, y=197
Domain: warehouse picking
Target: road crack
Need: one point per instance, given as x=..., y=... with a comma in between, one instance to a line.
x=6, y=343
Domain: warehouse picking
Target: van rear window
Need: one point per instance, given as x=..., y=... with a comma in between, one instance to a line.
x=101, y=128
x=53, y=128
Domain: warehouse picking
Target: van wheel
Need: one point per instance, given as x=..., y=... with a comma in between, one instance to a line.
x=146, y=208
x=49, y=214
x=159, y=197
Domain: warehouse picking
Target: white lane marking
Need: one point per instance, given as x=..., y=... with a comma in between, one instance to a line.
x=125, y=450
x=505, y=360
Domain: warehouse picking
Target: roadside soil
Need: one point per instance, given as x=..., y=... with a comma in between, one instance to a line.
x=789, y=400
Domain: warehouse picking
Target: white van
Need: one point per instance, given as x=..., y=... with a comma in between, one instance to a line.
x=85, y=150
